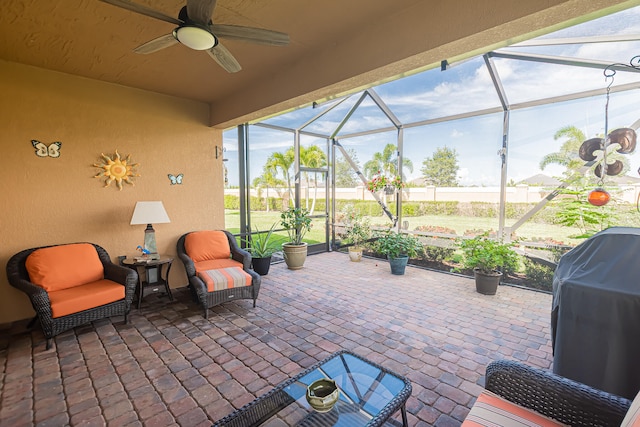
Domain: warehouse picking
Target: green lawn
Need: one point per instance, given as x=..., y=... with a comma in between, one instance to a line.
x=264, y=220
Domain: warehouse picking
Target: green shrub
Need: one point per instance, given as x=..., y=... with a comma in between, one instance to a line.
x=395, y=244
x=488, y=255
x=410, y=209
x=538, y=276
x=434, y=252
x=438, y=208
x=231, y=202
x=437, y=253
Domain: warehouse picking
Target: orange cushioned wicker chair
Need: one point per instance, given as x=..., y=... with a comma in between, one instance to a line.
x=218, y=270
x=70, y=285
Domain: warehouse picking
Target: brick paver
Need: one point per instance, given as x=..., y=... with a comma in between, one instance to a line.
x=169, y=366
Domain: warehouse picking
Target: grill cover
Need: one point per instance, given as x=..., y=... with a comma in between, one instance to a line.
x=595, y=316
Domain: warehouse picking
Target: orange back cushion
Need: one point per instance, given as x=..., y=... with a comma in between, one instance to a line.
x=206, y=245
x=64, y=266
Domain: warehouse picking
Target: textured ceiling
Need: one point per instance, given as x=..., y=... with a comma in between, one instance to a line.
x=93, y=39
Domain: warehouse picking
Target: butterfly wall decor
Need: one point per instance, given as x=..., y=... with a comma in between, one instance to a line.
x=176, y=179
x=42, y=150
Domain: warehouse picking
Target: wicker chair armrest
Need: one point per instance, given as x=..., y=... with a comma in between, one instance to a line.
x=237, y=253
x=560, y=398
x=199, y=287
x=124, y=275
x=27, y=287
x=38, y=296
x=189, y=266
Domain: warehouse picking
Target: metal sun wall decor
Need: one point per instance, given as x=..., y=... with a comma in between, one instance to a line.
x=42, y=150
x=621, y=140
x=116, y=169
x=175, y=179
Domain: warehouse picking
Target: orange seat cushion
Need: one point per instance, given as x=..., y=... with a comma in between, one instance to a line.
x=212, y=264
x=225, y=278
x=207, y=245
x=80, y=298
x=64, y=266
x=492, y=410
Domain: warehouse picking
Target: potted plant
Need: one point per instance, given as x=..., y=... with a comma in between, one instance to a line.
x=296, y=221
x=260, y=246
x=486, y=257
x=398, y=247
x=357, y=232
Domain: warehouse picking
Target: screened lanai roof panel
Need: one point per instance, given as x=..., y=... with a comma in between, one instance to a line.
x=299, y=117
x=367, y=116
x=526, y=81
x=462, y=88
x=538, y=74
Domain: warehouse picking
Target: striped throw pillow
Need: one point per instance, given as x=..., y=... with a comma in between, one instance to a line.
x=225, y=278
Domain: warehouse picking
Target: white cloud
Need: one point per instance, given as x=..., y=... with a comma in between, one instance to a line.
x=455, y=133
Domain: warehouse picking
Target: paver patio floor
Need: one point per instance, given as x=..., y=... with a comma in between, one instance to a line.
x=170, y=366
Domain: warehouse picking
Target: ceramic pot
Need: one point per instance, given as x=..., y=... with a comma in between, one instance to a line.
x=322, y=394
x=398, y=265
x=294, y=255
x=261, y=265
x=355, y=253
x=487, y=284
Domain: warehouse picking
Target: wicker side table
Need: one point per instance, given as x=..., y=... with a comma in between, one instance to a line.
x=155, y=277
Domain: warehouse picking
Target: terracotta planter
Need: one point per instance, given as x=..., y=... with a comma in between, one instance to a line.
x=261, y=265
x=487, y=284
x=398, y=265
x=294, y=255
x=355, y=254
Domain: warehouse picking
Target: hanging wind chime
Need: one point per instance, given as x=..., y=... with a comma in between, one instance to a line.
x=625, y=138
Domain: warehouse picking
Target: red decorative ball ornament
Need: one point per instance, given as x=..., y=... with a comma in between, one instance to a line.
x=599, y=197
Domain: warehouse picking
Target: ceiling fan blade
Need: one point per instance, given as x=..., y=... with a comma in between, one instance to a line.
x=143, y=10
x=156, y=44
x=200, y=11
x=250, y=34
x=224, y=58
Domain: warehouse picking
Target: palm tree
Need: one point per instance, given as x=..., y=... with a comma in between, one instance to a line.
x=567, y=156
x=267, y=179
x=386, y=162
x=312, y=157
x=282, y=162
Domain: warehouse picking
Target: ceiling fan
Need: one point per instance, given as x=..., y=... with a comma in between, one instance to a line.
x=196, y=31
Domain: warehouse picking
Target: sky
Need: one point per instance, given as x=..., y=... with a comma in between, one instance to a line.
x=468, y=87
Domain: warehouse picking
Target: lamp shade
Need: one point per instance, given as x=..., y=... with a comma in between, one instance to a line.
x=149, y=213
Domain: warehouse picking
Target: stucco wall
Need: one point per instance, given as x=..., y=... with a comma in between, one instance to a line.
x=57, y=200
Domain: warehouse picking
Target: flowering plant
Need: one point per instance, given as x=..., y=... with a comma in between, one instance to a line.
x=357, y=230
x=380, y=182
x=396, y=181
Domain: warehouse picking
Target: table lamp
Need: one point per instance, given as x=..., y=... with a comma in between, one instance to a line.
x=148, y=213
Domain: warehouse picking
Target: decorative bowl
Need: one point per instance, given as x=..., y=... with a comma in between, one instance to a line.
x=322, y=394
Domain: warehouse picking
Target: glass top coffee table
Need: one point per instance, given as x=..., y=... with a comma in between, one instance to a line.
x=369, y=395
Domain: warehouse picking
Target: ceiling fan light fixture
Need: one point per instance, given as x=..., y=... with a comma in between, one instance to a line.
x=195, y=37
